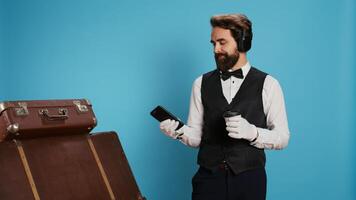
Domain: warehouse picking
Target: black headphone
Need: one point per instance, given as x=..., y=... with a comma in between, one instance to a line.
x=243, y=38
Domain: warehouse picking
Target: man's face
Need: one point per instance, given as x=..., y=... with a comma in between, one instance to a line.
x=225, y=48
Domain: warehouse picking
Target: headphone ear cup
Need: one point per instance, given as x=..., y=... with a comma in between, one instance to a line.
x=241, y=44
x=243, y=39
x=244, y=42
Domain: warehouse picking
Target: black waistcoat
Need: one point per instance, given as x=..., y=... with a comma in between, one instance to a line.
x=216, y=146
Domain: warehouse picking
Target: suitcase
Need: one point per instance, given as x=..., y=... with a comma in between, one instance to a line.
x=22, y=119
x=75, y=165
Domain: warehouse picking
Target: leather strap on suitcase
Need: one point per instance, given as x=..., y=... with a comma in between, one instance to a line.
x=27, y=170
x=81, y=167
x=32, y=182
x=100, y=166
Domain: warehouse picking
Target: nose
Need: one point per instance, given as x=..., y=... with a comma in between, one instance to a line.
x=217, y=48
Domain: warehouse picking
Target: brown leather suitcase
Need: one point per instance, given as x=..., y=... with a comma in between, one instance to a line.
x=22, y=119
x=78, y=166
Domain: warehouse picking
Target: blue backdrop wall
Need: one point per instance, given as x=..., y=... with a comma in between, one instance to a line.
x=128, y=56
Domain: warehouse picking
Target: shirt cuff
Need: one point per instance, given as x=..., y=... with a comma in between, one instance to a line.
x=260, y=141
x=187, y=137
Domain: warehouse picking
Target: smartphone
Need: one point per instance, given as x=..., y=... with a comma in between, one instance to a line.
x=162, y=114
x=230, y=113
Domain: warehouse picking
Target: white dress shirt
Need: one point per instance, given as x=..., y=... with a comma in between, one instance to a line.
x=275, y=136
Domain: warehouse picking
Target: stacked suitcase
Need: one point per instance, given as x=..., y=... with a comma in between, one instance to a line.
x=47, y=152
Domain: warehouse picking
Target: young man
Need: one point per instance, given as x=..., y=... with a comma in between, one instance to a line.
x=231, y=148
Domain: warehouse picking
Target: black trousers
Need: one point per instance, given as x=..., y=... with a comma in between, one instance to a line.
x=224, y=185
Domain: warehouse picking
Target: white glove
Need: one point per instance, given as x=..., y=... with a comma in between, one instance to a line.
x=239, y=128
x=168, y=127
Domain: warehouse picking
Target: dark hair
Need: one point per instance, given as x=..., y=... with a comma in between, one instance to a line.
x=240, y=27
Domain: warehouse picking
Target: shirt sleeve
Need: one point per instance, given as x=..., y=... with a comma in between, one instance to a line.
x=276, y=135
x=193, y=130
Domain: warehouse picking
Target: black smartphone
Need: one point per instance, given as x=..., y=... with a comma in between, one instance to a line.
x=230, y=113
x=162, y=114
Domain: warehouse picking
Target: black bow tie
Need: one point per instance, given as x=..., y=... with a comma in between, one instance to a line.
x=226, y=75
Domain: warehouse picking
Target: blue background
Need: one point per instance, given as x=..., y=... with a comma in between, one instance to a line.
x=128, y=56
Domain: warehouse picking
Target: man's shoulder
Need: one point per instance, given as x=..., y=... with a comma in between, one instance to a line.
x=198, y=81
x=269, y=80
x=257, y=71
x=268, y=76
x=210, y=74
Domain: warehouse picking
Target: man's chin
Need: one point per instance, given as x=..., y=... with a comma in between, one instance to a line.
x=223, y=68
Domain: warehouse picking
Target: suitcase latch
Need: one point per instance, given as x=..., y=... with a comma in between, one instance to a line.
x=22, y=111
x=13, y=128
x=80, y=107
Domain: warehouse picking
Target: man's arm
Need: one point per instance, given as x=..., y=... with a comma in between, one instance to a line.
x=191, y=133
x=276, y=135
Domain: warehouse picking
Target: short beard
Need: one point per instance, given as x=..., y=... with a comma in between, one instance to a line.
x=226, y=61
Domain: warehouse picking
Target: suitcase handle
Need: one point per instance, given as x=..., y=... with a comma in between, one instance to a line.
x=63, y=114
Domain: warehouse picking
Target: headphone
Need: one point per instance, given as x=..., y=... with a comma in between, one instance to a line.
x=243, y=38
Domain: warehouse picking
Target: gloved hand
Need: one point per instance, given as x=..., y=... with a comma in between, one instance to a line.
x=168, y=127
x=239, y=128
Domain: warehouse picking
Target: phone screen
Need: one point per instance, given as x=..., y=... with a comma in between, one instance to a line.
x=162, y=114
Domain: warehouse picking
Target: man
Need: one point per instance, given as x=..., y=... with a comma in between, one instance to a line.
x=231, y=148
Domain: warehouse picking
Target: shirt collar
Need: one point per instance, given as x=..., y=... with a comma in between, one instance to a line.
x=245, y=69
